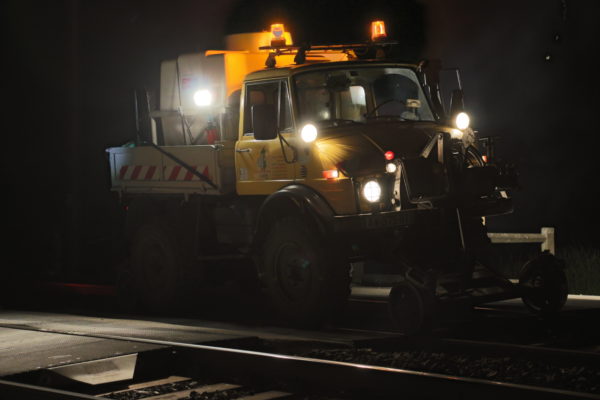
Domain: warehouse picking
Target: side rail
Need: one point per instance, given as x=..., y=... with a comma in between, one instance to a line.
x=545, y=238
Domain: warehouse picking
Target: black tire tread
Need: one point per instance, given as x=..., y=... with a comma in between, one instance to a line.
x=334, y=287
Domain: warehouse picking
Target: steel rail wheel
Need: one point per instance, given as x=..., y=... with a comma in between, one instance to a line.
x=411, y=308
x=543, y=284
x=306, y=283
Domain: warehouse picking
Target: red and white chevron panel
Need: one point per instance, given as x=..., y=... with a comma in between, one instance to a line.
x=139, y=173
x=151, y=173
x=178, y=173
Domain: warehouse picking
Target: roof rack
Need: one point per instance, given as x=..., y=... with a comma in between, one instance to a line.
x=302, y=50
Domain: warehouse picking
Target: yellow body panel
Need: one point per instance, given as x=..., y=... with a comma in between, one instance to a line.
x=320, y=156
x=261, y=167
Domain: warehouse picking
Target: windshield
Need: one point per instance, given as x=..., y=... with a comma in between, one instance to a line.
x=353, y=95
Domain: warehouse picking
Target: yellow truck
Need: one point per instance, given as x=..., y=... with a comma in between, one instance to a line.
x=308, y=168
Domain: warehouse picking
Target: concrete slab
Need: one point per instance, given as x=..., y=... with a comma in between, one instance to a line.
x=22, y=351
x=169, y=329
x=27, y=350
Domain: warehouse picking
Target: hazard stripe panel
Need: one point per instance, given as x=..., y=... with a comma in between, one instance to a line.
x=178, y=173
x=150, y=173
x=139, y=173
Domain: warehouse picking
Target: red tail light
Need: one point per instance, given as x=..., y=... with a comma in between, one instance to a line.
x=331, y=174
x=389, y=155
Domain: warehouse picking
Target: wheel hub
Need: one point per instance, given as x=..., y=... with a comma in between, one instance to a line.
x=294, y=270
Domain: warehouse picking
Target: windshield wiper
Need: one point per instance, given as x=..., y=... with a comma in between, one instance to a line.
x=338, y=121
x=372, y=112
x=388, y=116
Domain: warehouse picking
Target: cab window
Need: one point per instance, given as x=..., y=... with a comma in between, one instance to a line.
x=275, y=93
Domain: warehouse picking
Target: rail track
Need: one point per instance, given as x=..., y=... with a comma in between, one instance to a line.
x=279, y=369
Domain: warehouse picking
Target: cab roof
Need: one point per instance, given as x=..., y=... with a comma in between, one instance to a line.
x=289, y=70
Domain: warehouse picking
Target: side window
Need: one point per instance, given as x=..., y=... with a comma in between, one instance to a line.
x=261, y=93
x=268, y=93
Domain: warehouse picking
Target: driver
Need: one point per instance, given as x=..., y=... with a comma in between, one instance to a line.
x=394, y=90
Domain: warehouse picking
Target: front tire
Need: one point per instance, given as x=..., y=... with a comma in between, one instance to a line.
x=306, y=281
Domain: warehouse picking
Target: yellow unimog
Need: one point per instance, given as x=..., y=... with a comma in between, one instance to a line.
x=310, y=168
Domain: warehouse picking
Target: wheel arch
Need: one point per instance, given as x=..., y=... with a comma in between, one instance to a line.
x=296, y=200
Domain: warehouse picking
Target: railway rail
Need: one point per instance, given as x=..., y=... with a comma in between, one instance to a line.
x=289, y=372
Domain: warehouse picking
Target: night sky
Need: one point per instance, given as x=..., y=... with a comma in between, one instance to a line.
x=528, y=69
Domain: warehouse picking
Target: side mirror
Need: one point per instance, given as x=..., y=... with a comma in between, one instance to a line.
x=457, y=103
x=264, y=121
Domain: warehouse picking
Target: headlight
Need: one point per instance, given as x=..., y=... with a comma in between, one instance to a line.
x=391, y=167
x=462, y=120
x=203, y=98
x=308, y=133
x=372, y=191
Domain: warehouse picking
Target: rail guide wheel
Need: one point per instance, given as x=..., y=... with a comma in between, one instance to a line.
x=543, y=284
x=411, y=308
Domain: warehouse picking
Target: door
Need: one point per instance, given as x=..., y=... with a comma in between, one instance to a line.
x=265, y=166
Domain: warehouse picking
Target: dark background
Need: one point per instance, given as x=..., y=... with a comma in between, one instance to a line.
x=529, y=69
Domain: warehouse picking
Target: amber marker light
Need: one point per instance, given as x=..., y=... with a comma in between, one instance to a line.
x=378, y=30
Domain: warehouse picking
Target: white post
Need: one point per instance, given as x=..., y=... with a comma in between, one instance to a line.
x=548, y=243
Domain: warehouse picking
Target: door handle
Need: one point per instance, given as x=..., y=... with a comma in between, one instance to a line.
x=246, y=150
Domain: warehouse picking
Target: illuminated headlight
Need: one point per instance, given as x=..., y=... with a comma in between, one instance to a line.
x=462, y=120
x=309, y=133
x=372, y=191
x=203, y=98
x=391, y=167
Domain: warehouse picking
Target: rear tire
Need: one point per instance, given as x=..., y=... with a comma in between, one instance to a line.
x=307, y=283
x=156, y=267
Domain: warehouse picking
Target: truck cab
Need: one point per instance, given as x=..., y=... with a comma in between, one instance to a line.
x=309, y=165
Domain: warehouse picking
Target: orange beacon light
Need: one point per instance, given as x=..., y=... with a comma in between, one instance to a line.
x=277, y=35
x=378, y=30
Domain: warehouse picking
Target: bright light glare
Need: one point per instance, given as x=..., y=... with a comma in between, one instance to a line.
x=462, y=120
x=203, y=98
x=456, y=134
x=372, y=191
x=391, y=167
x=309, y=133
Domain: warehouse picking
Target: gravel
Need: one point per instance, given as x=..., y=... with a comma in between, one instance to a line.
x=155, y=390
x=504, y=369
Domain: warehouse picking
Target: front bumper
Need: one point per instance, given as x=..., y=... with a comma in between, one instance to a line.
x=386, y=220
